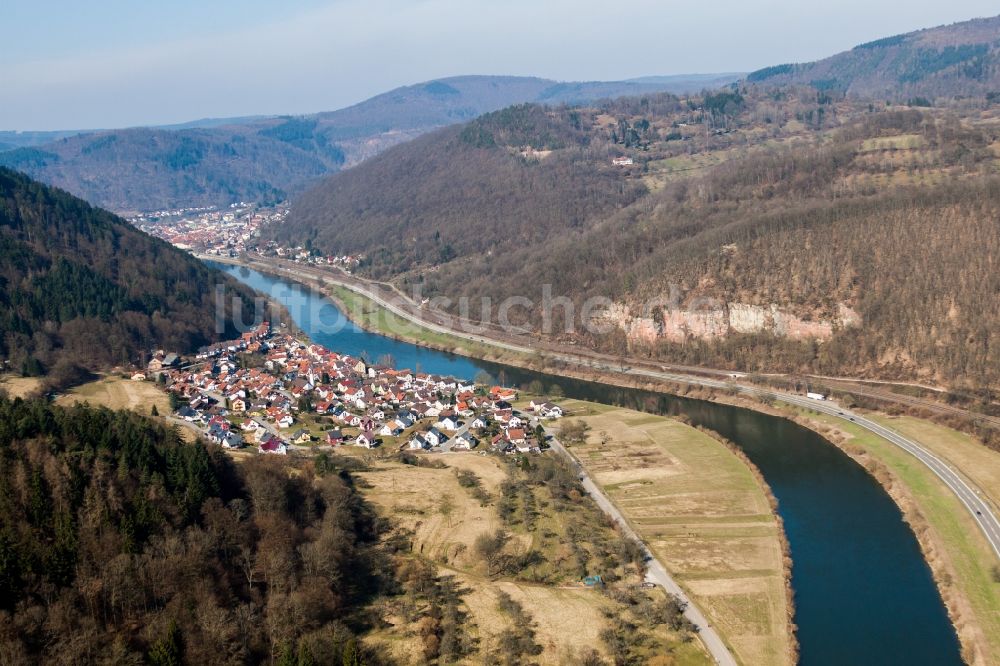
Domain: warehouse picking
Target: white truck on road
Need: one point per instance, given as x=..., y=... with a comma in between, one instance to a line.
x=815, y=396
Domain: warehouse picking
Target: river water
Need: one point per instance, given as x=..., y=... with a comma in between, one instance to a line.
x=863, y=593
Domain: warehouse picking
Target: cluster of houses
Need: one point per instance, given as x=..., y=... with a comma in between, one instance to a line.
x=210, y=231
x=273, y=391
x=300, y=254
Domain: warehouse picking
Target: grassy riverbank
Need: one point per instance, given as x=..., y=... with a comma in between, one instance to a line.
x=953, y=545
x=959, y=555
x=370, y=316
x=704, y=514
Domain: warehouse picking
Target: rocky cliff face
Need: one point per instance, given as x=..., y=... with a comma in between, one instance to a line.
x=719, y=320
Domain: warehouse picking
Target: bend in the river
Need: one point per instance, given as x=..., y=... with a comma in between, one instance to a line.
x=863, y=592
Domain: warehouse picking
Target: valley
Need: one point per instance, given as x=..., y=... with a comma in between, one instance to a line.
x=751, y=440
x=500, y=369
x=268, y=159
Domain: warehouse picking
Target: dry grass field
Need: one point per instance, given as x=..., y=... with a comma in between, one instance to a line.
x=417, y=498
x=898, y=142
x=19, y=387
x=116, y=393
x=445, y=520
x=569, y=620
x=703, y=513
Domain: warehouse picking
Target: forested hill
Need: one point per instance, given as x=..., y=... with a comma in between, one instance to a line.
x=268, y=159
x=510, y=178
x=946, y=62
x=122, y=544
x=79, y=285
x=790, y=231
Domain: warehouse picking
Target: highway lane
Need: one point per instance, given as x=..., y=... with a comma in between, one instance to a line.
x=970, y=496
x=859, y=389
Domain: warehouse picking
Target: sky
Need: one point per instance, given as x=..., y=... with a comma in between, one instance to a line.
x=67, y=64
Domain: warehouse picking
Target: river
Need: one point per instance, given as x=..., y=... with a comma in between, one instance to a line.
x=863, y=592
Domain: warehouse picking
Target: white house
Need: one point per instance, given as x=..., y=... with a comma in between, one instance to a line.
x=272, y=445
x=435, y=437
x=550, y=411
x=390, y=430
x=449, y=423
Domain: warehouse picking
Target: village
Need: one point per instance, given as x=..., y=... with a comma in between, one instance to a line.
x=271, y=391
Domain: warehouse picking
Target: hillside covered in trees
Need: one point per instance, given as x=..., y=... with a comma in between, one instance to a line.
x=267, y=159
x=789, y=230
x=120, y=543
x=465, y=190
x=81, y=287
x=952, y=61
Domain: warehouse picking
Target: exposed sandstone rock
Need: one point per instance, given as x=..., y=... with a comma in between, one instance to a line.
x=714, y=322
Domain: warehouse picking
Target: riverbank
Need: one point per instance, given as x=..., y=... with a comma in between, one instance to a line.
x=898, y=576
x=962, y=611
x=959, y=557
x=370, y=316
x=706, y=513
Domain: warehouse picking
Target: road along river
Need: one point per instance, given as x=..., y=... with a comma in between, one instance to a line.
x=863, y=593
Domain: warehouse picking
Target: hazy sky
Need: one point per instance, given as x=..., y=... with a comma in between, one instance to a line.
x=70, y=64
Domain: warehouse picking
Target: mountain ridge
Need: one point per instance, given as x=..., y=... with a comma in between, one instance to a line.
x=219, y=161
x=722, y=193
x=948, y=61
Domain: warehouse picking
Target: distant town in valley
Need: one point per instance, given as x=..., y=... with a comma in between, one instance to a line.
x=225, y=232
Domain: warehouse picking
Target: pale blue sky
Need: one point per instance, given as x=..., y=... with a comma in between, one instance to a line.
x=111, y=63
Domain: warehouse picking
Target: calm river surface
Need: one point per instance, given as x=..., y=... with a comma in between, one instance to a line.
x=863, y=593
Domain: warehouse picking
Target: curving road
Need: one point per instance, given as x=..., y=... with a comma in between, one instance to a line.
x=971, y=497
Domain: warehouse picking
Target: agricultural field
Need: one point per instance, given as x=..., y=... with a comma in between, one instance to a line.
x=666, y=170
x=443, y=519
x=898, y=142
x=705, y=516
x=116, y=392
